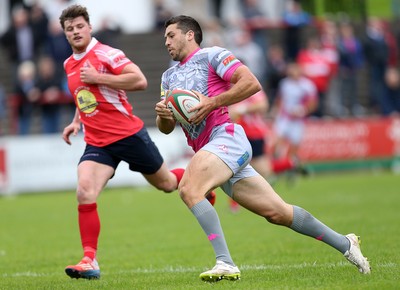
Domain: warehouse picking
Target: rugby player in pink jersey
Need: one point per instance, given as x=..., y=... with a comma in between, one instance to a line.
x=222, y=150
x=98, y=76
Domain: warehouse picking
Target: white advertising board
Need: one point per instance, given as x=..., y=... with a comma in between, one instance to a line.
x=46, y=163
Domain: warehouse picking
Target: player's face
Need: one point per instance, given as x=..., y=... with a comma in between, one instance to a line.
x=294, y=71
x=175, y=41
x=78, y=33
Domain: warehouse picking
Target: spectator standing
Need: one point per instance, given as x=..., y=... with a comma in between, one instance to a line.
x=2, y=107
x=162, y=12
x=215, y=8
x=57, y=47
x=350, y=62
x=329, y=37
x=250, y=53
x=40, y=23
x=317, y=67
x=275, y=70
x=378, y=52
x=27, y=98
x=49, y=90
x=256, y=22
x=294, y=20
x=392, y=80
x=19, y=40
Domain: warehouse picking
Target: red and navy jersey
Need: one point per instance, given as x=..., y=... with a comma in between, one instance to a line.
x=105, y=112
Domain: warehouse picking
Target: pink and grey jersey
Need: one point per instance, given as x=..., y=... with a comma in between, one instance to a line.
x=208, y=71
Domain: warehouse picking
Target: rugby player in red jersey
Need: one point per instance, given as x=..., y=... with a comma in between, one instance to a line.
x=98, y=76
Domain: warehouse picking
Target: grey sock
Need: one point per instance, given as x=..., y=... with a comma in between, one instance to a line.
x=304, y=223
x=208, y=219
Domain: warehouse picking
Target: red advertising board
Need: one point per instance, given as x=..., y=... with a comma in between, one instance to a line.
x=3, y=168
x=327, y=140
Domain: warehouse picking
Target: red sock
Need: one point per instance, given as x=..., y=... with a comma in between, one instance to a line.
x=89, y=226
x=211, y=197
x=281, y=165
x=178, y=173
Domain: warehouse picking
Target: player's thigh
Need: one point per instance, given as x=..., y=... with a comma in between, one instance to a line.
x=204, y=172
x=261, y=165
x=295, y=134
x=257, y=195
x=93, y=177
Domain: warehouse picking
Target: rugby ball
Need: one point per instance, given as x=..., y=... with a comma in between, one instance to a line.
x=179, y=101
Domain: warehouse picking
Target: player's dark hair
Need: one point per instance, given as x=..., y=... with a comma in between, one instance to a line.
x=72, y=12
x=186, y=23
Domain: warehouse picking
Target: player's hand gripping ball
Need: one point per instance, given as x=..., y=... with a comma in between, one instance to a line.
x=179, y=101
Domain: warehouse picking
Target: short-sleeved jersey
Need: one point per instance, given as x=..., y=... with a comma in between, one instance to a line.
x=208, y=71
x=317, y=67
x=105, y=112
x=295, y=93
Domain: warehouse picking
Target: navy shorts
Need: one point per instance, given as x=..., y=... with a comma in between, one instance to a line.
x=257, y=145
x=138, y=150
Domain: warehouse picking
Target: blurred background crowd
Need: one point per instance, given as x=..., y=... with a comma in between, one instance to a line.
x=349, y=54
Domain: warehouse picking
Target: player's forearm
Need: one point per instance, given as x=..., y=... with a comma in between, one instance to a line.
x=127, y=81
x=260, y=107
x=245, y=85
x=76, y=116
x=164, y=125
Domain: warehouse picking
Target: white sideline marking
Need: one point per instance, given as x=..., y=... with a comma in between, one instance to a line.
x=26, y=274
x=181, y=269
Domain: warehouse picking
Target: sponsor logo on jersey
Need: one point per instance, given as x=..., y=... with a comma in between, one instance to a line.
x=116, y=56
x=228, y=60
x=86, y=101
x=243, y=158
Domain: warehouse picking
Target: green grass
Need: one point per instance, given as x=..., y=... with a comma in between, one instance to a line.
x=149, y=240
x=378, y=8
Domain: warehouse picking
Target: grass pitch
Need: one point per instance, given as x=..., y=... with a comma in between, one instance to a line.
x=150, y=240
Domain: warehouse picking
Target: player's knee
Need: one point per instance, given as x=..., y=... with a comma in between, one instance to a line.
x=183, y=190
x=166, y=186
x=85, y=194
x=186, y=192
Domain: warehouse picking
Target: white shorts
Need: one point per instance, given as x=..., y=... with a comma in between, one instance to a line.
x=230, y=144
x=292, y=130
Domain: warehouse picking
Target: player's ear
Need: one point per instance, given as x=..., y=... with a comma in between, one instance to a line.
x=190, y=35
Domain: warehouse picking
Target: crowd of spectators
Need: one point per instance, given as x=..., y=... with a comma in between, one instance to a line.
x=334, y=54
x=36, y=48
x=343, y=58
